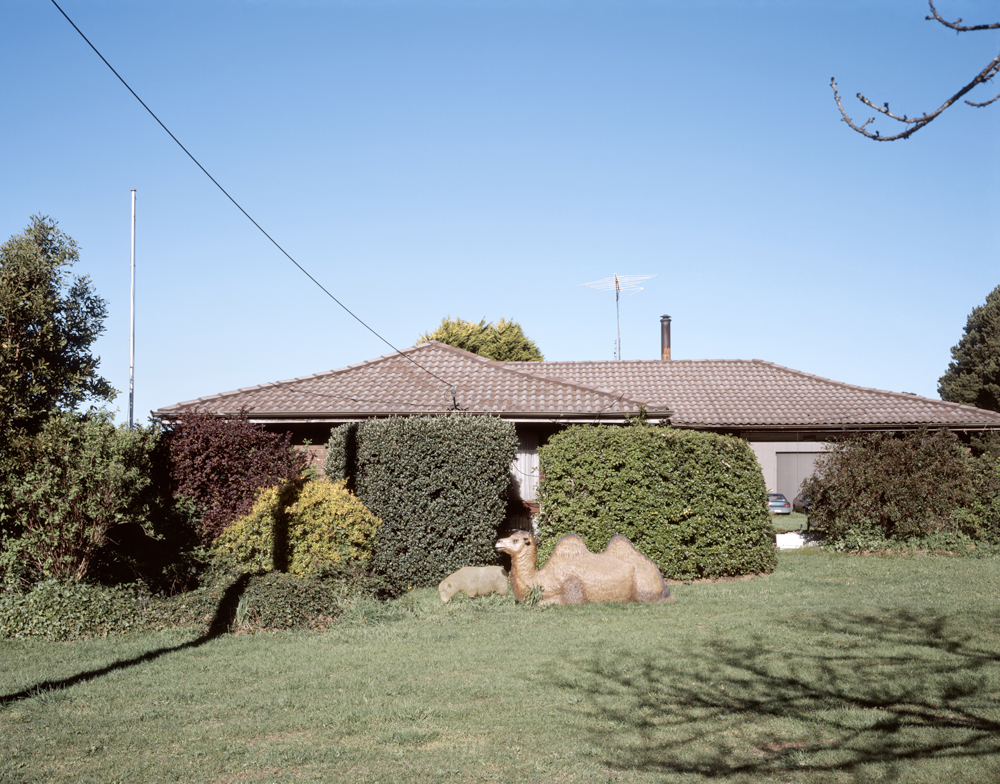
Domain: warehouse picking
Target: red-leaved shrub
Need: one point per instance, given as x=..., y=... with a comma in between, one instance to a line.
x=220, y=464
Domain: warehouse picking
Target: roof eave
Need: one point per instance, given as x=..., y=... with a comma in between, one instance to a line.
x=320, y=417
x=838, y=428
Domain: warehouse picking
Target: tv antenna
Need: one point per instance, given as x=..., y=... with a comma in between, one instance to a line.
x=618, y=284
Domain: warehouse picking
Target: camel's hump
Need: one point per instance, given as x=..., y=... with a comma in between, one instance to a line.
x=569, y=546
x=621, y=547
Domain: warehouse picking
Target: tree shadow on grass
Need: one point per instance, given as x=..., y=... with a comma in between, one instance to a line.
x=222, y=622
x=868, y=690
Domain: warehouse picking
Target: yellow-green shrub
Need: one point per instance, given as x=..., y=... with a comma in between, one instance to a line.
x=299, y=528
x=249, y=540
x=328, y=524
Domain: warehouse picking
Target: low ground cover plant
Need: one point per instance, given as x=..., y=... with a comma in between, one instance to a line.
x=66, y=610
x=225, y=602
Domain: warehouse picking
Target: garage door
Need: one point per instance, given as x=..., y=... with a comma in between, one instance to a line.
x=793, y=469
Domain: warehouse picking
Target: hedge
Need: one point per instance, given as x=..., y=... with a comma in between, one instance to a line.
x=342, y=454
x=439, y=485
x=695, y=503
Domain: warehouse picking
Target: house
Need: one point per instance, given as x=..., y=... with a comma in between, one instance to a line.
x=787, y=416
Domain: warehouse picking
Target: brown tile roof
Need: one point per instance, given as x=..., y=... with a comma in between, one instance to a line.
x=418, y=380
x=749, y=393
x=707, y=393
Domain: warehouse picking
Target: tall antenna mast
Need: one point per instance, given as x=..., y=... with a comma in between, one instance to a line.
x=131, y=342
x=619, y=283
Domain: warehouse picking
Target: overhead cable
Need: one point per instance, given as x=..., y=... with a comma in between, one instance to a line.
x=240, y=208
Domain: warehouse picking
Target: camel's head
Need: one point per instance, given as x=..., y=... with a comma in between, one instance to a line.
x=517, y=543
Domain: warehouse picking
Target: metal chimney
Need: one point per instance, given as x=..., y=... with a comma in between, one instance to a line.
x=664, y=337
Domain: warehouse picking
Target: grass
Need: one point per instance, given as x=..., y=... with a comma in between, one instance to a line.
x=793, y=521
x=833, y=669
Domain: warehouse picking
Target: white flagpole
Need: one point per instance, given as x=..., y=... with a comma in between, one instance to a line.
x=131, y=352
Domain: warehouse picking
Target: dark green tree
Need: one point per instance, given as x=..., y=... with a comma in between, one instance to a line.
x=49, y=319
x=973, y=376
x=504, y=341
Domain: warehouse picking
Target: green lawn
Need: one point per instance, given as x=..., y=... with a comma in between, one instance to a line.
x=833, y=669
x=793, y=521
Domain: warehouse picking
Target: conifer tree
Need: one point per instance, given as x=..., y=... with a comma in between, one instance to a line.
x=973, y=376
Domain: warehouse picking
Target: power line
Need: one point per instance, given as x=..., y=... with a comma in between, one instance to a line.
x=245, y=213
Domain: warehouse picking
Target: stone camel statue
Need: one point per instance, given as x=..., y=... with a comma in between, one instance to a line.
x=474, y=581
x=574, y=575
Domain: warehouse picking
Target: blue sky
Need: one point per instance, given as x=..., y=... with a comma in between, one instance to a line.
x=480, y=159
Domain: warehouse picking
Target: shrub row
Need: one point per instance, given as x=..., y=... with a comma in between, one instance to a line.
x=54, y=610
x=695, y=503
x=85, y=500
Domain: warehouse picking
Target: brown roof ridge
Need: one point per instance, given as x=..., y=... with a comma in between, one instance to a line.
x=618, y=362
x=298, y=379
x=414, y=353
x=571, y=384
x=784, y=368
x=453, y=349
x=505, y=367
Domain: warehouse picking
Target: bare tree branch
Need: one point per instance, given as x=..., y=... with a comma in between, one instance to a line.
x=956, y=25
x=914, y=124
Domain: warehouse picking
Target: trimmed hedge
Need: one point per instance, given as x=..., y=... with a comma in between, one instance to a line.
x=301, y=528
x=342, y=454
x=695, y=503
x=439, y=485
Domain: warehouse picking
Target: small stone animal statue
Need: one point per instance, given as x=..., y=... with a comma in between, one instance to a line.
x=474, y=581
x=574, y=575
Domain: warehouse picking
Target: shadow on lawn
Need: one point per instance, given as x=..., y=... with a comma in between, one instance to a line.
x=870, y=690
x=221, y=624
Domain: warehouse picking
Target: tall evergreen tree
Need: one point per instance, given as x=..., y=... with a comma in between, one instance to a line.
x=973, y=376
x=504, y=341
x=49, y=320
